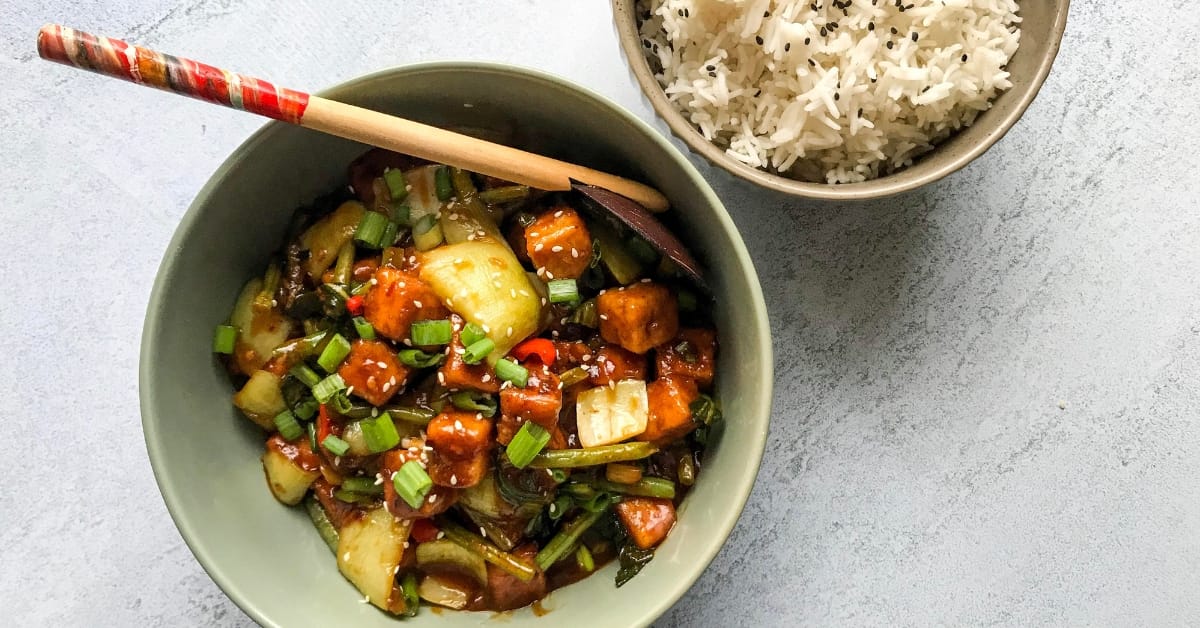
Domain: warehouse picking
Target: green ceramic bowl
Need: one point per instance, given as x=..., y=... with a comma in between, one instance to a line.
x=267, y=557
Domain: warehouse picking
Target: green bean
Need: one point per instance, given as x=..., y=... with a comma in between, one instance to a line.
x=441, y=183
x=408, y=414
x=567, y=536
x=412, y=601
x=504, y=194
x=645, y=487
x=464, y=187
x=321, y=522
x=345, y=264
x=266, y=296
x=591, y=456
x=489, y=552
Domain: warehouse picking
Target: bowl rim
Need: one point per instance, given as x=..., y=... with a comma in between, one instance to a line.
x=625, y=20
x=148, y=399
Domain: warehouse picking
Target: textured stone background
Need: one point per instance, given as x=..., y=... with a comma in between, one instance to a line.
x=987, y=396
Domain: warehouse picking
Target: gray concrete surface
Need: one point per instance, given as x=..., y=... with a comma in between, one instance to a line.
x=986, y=407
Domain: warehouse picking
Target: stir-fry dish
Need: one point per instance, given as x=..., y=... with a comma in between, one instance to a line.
x=479, y=392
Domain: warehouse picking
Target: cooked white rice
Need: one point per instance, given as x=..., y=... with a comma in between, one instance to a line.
x=812, y=90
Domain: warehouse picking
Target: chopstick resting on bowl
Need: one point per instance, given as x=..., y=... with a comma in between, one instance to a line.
x=118, y=59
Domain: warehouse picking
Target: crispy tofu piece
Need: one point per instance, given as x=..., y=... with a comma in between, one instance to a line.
x=509, y=592
x=456, y=374
x=638, y=317
x=396, y=300
x=647, y=519
x=613, y=364
x=439, y=499
x=451, y=472
x=559, y=242
x=374, y=371
x=570, y=353
x=670, y=400
x=459, y=434
x=539, y=401
x=690, y=354
x=371, y=165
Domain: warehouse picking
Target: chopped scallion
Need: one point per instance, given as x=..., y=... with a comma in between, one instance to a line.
x=341, y=402
x=288, y=428
x=370, y=230
x=419, y=359
x=402, y=215
x=334, y=353
x=396, y=184
x=412, y=483
x=563, y=291
x=380, y=433
x=328, y=387
x=335, y=445
x=306, y=409
x=427, y=233
x=431, y=333
x=526, y=444
x=583, y=557
x=474, y=402
x=365, y=330
x=441, y=183
x=471, y=334
x=224, y=338
x=510, y=371
x=477, y=351
x=389, y=235
x=305, y=374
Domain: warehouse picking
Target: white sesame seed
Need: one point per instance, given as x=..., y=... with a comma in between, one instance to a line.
x=371, y=381
x=453, y=480
x=418, y=304
x=486, y=329
x=556, y=249
x=458, y=260
x=512, y=293
x=558, y=214
x=604, y=317
x=523, y=292
x=351, y=188
x=539, y=246
x=350, y=391
x=346, y=557
x=586, y=357
x=552, y=508
x=433, y=499
x=575, y=252
x=533, y=234
x=458, y=425
x=441, y=378
x=453, y=216
x=441, y=534
x=509, y=332
x=549, y=275
x=543, y=300
x=374, y=281
x=487, y=377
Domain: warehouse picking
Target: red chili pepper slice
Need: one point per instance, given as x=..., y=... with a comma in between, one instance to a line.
x=541, y=348
x=423, y=531
x=324, y=425
x=354, y=305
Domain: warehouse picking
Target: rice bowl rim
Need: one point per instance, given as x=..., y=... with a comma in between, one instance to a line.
x=938, y=163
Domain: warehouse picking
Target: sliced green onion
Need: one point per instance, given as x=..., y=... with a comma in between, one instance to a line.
x=466, y=400
x=477, y=351
x=510, y=371
x=705, y=410
x=365, y=330
x=687, y=300
x=526, y=444
x=412, y=483
x=442, y=185
x=573, y=376
x=563, y=291
x=288, y=428
x=334, y=353
x=305, y=374
x=401, y=215
x=586, y=314
x=362, y=486
x=224, y=337
x=583, y=557
x=370, y=230
x=335, y=445
x=306, y=409
x=328, y=387
x=380, y=433
x=431, y=333
x=505, y=194
x=341, y=403
x=397, y=186
x=419, y=359
x=427, y=233
x=389, y=234
x=471, y=334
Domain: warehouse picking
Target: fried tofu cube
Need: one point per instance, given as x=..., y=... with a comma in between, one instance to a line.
x=638, y=317
x=456, y=374
x=373, y=371
x=690, y=354
x=459, y=433
x=396, y=300
x=539, y=401
x=613, y=364
x=670, y=400
x=438, y=500
x=647, y=519
x=450, y=472
x=559, y=242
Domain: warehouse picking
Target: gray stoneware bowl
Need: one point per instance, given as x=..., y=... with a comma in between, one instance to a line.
x=1041, y=31
x=267, y=557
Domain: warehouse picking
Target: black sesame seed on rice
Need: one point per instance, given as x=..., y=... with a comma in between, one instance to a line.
x=891, y=45
x=914, y=35
x=787, y=47
x=758, y=40
x=964, y=58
